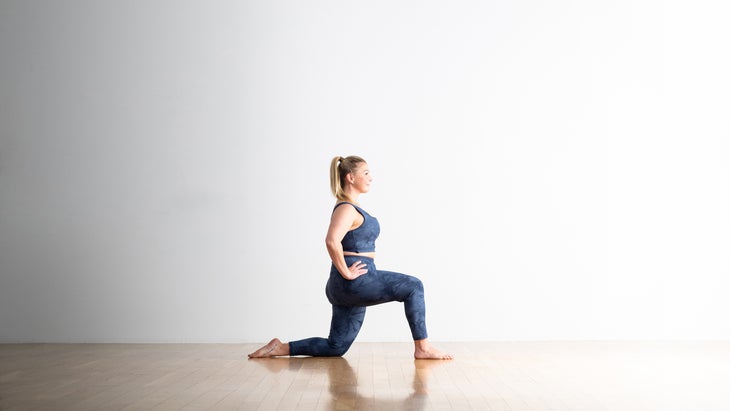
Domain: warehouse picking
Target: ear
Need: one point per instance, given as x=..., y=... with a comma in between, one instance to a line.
x=350, y=178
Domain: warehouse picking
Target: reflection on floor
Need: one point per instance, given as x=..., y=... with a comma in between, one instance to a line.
x=345, y=387
x=581, y=376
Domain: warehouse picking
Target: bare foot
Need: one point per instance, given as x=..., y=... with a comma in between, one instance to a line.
x=273, y=349
x=424, y=351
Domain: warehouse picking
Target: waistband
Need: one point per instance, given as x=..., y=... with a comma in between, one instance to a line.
x=359, y=257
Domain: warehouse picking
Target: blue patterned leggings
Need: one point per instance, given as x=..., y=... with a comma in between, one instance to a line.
x=349, y=299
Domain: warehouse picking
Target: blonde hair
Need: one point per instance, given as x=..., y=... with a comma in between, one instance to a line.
x=339, y=168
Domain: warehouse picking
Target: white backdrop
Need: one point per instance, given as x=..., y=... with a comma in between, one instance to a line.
x=550, y=170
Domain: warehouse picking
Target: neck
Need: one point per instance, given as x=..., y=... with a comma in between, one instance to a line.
x=352, y=195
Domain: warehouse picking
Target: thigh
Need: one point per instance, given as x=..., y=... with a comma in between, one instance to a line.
x=346, y=323
x=377, y=287
x=399, y=286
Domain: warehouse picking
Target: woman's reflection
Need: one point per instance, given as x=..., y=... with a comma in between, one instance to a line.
x=343, y=382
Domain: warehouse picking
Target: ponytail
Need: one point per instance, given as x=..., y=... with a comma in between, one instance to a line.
x=339, y=168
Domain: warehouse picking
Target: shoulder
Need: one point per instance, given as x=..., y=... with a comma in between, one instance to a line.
x=352, y=206
x=345, y=214
x=347, y=210
x=341, y=203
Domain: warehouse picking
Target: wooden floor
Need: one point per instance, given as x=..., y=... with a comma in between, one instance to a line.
x=581, y=376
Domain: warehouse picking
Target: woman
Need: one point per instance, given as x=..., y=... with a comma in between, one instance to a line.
x=354, y=281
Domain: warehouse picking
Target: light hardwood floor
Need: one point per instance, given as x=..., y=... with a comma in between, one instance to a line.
x=581, y=376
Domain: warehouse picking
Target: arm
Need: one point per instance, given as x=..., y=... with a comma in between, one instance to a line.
x=342, y=221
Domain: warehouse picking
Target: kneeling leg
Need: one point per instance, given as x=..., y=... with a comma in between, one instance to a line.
x=345, y=325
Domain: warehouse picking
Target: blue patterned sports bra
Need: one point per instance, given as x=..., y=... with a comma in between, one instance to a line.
x=361, y=239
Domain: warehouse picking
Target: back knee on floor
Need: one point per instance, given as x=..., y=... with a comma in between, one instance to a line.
x=338, y=349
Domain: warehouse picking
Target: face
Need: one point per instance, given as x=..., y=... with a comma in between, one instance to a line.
x=361, y=178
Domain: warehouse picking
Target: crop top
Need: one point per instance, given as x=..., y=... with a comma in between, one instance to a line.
x=361, y=239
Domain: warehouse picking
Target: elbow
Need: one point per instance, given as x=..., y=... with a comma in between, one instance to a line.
x=331, y=244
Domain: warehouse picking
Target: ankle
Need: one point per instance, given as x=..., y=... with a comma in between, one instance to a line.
x=421, y=344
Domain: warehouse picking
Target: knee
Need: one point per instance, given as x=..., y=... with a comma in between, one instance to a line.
x=339, y=349
x=417, y=284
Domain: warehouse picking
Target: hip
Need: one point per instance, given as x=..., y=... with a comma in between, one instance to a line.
x=352, y=259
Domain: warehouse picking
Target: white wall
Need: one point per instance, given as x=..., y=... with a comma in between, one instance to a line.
x=551, y=170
